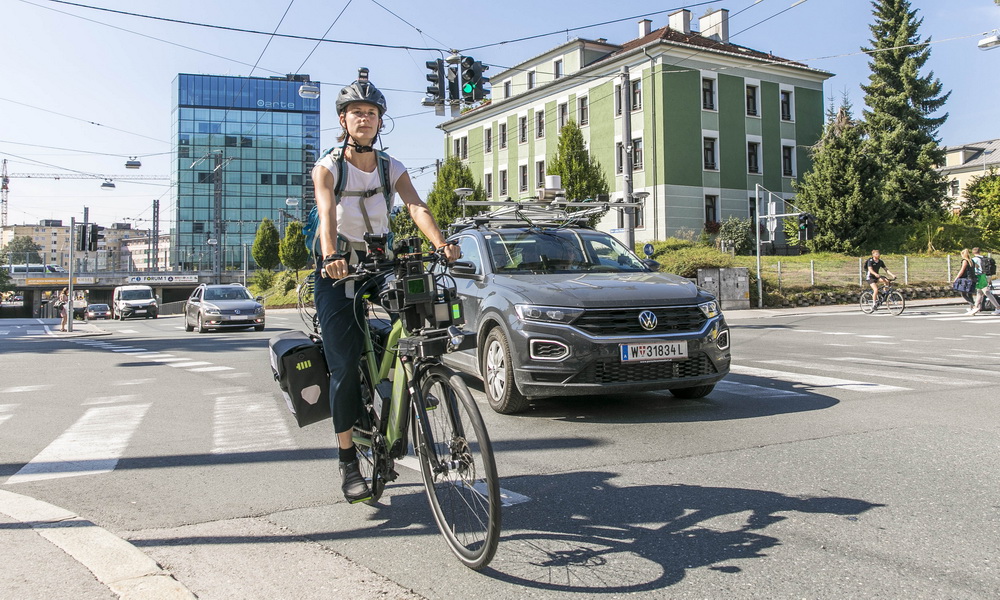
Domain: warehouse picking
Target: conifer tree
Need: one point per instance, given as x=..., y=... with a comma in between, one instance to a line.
x=292, y=250
x=841, y=189
x=265, y=245
x=581, y=175
x=902, y=133
x=442, y=199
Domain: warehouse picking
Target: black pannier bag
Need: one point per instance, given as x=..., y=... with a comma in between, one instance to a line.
x=299, y=367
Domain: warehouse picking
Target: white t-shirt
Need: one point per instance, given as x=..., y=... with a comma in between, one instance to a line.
x=350, y=221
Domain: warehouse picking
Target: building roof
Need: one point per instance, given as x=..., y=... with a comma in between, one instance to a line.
x=666, y=34
x=976, y=154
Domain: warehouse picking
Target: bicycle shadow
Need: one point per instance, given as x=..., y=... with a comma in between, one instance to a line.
x=604, y=538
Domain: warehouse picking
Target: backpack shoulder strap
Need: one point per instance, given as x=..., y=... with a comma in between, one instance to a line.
x=384, y=164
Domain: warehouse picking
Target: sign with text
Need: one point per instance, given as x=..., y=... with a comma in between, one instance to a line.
x=162, y=279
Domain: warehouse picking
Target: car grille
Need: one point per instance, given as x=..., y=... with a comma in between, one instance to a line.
x=241, y=311
x=617, y=321
x=612, y=372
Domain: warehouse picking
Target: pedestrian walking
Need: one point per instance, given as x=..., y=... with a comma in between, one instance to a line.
x=985, y=291
x=63, y=312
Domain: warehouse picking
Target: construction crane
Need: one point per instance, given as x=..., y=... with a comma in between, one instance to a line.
x=107, y=184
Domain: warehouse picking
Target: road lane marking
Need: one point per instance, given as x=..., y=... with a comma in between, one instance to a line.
x=816, y=381
x=168, y=360
x=207, y=369
x=4, y=409
x=140, y=381
x=249, y=423
x=507, y=497
x=128, y=350
x=757, y=391
x=90, y=446
x=864, y=371
x=875, y=336
x=191, y=363
x=17, y=389
x=109, y=400
x=924, y=366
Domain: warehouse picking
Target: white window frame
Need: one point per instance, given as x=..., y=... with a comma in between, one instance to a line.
x=637, y=164
x=507, y=89
x=705, y=76
x=562, y=110
x=522, y=129
x=522, y=177
x=488, y=184
x=789, y=144
x=487, y=140
x=539, y=124
x=557, y=68
x=583, y=110
x=755, y=84
x=786, y=89
x=502, y=141
x=756, y=139
x=635, y=94
x=714, y=136
x=540, y=173
x=502, y=183
x=531, y=80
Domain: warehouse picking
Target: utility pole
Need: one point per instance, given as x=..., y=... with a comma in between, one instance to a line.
x=156, y=235
x=626, y=104
x=69, y=300
x=217, y=226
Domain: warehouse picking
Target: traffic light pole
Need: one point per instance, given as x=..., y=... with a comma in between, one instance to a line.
x=69, y=300
x=627, y=139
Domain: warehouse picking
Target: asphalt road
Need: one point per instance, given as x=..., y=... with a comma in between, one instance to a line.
x=847, y=456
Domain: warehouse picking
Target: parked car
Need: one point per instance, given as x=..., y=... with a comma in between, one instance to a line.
x=561, y=309
x=98, y=311
x=223, y=306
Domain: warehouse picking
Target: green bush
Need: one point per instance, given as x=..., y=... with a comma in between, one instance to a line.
x=289, y=284
x=263, y=279
x=686, y=261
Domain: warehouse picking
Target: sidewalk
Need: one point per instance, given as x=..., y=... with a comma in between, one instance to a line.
x=80, y=329
x=762, y=313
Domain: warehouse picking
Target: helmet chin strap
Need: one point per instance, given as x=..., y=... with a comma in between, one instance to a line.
x=360, y=149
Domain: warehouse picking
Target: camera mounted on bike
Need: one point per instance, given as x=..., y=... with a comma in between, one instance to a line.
x=377, y=244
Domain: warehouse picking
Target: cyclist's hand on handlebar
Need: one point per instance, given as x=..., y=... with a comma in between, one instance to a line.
x=451, y=252
x=335, y=269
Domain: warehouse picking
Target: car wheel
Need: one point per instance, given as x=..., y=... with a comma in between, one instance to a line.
x=692, y=393
x=201, y=325
x=498, y=375
x=187, y=326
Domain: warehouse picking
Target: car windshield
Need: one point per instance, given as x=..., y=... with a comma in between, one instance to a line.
x=559, y=251
x=137, y=294
x=96, y=307
x=233, y=293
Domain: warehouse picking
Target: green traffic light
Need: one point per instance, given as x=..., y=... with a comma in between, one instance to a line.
x=468, y=87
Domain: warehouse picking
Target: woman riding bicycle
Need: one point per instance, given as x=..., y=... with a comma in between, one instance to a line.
x=872, y=266
x=360, y=207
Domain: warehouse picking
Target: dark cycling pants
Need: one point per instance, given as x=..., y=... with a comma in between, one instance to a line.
x=343, y=342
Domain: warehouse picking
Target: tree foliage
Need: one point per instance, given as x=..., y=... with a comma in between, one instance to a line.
x=736, y=234
x=982, y=202
x=6, y=281
x=581, y=175
x=265, y=245
x=841, y=189
x=292, y=250
x=442, y=200
x=21, y=249
x=402, y=225
x=902, y=133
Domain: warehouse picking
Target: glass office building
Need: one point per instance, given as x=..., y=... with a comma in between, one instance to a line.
x=243, y=146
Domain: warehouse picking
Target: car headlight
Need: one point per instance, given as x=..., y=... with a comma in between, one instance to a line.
x=259, y=310
x=709, y=309
x=211, y=310
x=547, y=314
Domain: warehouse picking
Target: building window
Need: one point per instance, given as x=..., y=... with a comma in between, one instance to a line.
x=540, y=174
x=955, y=186
x=488, y=184
x=531, y=80
x=752, y=100
x=503, y=182
x=788, y=161
x=506, y=89
x=557, y=69
x=488, y=139
x=752, y=208
x=522, y=178
x=458, y=147
x=618, y=100
x=753, y=157
x=197, y=227
x=786, y=105
x=522, y=130
x=204, y=177
x=639, y=219
x=540, y=124
x=563, y=111
x=708, y=94
x=503, y=135
x=465, y=148
x=710, y=163
x=636, y=94
x=711, y=209
x=583, y=110
x=637, y=154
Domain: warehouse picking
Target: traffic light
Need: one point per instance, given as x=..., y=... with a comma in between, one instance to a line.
x=81, y=237
x=453, y=88
x=435, y=91
x=479, y=90
x=96, y=235
x=466, y=77
x=810, y=226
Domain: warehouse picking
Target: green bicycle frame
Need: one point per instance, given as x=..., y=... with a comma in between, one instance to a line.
x=390, y=361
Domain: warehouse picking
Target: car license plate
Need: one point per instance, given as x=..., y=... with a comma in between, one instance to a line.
x=140, y=311
x=237, y=318
x=654, y=351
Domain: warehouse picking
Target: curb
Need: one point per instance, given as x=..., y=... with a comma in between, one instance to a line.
x=116, y=563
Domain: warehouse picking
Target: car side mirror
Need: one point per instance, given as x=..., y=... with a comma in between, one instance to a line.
x=463, y=267
x=651, y=264
x=259, y=299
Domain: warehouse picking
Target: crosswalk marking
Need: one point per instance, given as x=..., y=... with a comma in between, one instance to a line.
x=90, y=446
x=815, y=380
x=207, y=369
x=249, y=423
x=922, y=366
x=4, y=409
x=757, y=391
x=130, y=350
x=109, y=400
x=190, y=363
x=17, y=389
x=170, y=358
x=863, y=370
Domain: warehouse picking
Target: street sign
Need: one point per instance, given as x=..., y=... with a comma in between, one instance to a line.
x=772, y=224
x=618, y=230
x=162, y=279
x=648, y=250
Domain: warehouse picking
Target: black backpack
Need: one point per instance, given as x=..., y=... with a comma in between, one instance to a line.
x=987, y=265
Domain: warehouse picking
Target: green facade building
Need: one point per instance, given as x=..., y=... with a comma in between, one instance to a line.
x=710, y=122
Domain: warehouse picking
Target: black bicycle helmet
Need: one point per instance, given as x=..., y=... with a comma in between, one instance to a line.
x=361, y=91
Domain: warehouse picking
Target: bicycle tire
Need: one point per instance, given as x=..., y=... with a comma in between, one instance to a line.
x=867, y=306
x=464, y=491
x=373, y=456
x=895, y=303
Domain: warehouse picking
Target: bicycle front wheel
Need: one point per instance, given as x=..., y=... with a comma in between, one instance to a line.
x=373, y=457
x=867, y=303
x=458, y=468
x=895, y=303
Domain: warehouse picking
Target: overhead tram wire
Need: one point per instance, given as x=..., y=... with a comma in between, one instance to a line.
x=140, y=155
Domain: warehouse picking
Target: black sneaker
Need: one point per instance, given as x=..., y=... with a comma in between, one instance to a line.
x=353, y=484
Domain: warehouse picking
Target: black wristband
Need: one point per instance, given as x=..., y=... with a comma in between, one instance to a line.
x=329, y=258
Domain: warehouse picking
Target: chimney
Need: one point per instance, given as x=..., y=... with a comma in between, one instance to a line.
x=715, y=25
x=680, y=21
x=645, y=26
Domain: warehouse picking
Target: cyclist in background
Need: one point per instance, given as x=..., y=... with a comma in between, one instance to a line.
x=360, y=107
x=872, y=266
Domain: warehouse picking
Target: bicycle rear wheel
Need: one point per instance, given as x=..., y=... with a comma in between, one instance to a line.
x=373, y=457
x=867, y=303
x=459, y=470
x=895, y=303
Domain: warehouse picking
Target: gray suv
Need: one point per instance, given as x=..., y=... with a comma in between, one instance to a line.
x=225, y=306
x=566, y=310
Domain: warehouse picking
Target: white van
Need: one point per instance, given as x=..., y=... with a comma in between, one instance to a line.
x=133, y=301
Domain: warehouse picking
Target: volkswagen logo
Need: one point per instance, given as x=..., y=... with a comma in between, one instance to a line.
x=647, y=319
x=237, y=311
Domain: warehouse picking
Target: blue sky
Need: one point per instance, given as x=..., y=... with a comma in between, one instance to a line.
x=84, y=90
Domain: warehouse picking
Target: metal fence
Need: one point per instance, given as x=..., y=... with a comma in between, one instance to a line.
x=781, y=272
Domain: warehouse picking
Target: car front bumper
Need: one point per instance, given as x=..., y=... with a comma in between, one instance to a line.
x=593, y=365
